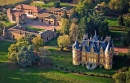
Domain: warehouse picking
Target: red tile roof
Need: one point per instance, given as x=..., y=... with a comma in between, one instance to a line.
x=29, y=7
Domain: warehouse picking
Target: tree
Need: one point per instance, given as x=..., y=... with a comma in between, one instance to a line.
x=29, y=38
x=63, y=41
x=65, y=26
x=25, y=56
x=120, y=20
x=56, y=4
x=73, y=31
x=128, y=76
x=127, y=19
x=43, y=54
x=121, y=6
x=37, y=42
x=83, y=6
x=104, y=29
x=65, y=15
x=120, y=77
x=82, y=27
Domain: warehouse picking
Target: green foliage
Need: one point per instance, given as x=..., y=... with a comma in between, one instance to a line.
x=121, y=6
x=120, y=20
x=120, y=77
x=63, y=41
x=65, y=26
x=65, y=16
x=82, y=26
x=56, y=4
x=37, y=42
x=127, y=19
x=73, y=31
x=25, y=56
x=104, y=29
x=128, y=76
x=29, y=38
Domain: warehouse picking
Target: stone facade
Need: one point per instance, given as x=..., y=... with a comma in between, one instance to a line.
x=16, y=16
x=93, y=52
x=18, y=32
x=48, y=18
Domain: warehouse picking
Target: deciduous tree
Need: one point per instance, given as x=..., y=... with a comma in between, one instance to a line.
x=65, y=26
x=73, y=32
x=63, y=41
x=37, y=42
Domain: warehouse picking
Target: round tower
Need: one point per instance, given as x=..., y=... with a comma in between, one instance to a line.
x=108, y=57
x=76, y=54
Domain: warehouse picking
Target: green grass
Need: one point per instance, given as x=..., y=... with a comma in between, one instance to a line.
x=48, y=4
x=13, y=74
x=52, y=43
x=64, y=59
x=112, y=21
x=6, y=23
x=7, y=2
x=33, y=28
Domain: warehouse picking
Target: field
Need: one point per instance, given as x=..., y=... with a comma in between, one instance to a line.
x=6, y=23
x=10, y=73
x=7, y=2
x=112, y=21
x=48, y=4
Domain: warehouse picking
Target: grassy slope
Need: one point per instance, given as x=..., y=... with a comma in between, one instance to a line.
x=7, y=2
x=112, y=21
x=64, y=59
x=38, y=75
x=7, y=23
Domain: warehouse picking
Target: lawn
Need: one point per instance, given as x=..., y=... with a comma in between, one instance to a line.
x=112, y=21
x=54, y=43
x=14, y=74
x=64, y=59
x=48, y=4
x=6, y=23
x=7, y=2
x=33, y=28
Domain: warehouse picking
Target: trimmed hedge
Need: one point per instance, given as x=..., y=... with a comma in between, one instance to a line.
x=81, y=73
x=117, y=28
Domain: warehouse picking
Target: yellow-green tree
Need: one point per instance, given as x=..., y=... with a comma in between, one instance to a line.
x=63, y=41
x=65, y=26
x=73, y=31
x=37, y=42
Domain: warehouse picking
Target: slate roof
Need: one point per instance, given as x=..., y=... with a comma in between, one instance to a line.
x=94, y=43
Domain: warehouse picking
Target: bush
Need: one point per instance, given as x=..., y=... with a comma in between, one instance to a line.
x=123, y=69
x=56, y=4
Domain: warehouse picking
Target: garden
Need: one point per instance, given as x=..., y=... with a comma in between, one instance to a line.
x=11, y=73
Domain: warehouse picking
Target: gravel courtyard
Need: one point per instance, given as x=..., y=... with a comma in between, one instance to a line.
x=40, y=25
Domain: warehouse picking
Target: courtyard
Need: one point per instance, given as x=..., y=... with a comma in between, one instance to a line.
x=40, y=25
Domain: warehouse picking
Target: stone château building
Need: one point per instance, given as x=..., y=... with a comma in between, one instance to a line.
x=19, y=32
x=93, y=52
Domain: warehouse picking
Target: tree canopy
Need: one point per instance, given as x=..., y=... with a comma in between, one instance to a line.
x=37, y=42
x=63, y=41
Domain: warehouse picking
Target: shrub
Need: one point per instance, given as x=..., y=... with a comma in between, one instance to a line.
x=123, y=69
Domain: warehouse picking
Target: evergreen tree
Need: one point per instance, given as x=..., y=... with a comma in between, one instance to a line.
x=65, y=15
x=82, y=27
x=73, y=32
x=120, y=20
